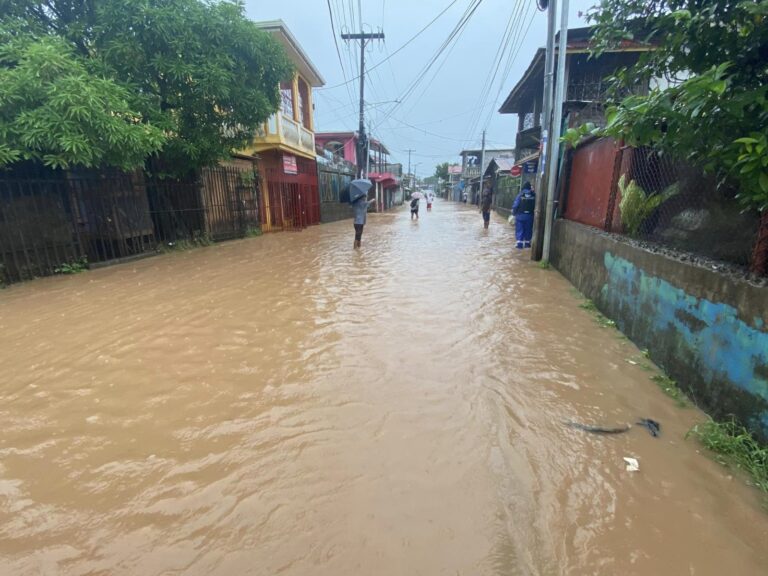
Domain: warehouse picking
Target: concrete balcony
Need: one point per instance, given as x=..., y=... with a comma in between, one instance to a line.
x=286, y=134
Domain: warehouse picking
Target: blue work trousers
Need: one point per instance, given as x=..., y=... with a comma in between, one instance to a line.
x=523, y=230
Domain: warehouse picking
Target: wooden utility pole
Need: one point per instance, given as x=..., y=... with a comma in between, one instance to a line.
x=410, y=178
x=546, y=129
x=362, y=140
x=482, y=160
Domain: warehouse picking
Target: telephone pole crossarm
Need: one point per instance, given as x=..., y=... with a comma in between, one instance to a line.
x=362, y=138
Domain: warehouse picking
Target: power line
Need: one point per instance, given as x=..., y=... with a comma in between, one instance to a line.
x=494, y=68
x=508, y=67
x=411, y=39
x=468, y=13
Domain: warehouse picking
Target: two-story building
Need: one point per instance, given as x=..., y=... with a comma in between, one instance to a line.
x=586, y=82
x=285, y=144
x=471, y=169
x=386, y=190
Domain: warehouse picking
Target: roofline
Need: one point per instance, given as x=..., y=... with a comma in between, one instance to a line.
x=578, y=47
x=281, y=26
x=487, y=150
x=352, y=135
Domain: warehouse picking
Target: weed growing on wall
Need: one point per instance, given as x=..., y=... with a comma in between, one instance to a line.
x=671, y=389
x=600, y=318
x=735, y=447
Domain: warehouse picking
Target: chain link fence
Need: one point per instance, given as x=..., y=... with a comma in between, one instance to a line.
x=664, y=201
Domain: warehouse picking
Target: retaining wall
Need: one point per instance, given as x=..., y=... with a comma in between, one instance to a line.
x=708, y=330
x=333, y=211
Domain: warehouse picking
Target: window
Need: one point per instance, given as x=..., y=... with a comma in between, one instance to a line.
x=286, y=96
x=304, y=103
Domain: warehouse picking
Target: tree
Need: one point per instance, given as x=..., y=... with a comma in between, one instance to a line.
x=200, y=72
x=441, y=170
x=53, y=109
x=716, y=112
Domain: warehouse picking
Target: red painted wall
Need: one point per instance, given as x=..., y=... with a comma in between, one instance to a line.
x=590, y=182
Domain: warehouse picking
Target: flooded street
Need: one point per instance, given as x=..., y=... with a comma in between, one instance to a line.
x=284, y=405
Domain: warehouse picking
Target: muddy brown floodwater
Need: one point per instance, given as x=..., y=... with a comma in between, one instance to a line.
x=284, y=405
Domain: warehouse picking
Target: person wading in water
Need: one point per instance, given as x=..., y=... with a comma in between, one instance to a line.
x=358, y=198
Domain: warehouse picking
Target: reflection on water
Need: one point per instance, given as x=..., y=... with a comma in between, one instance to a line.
x=286, y=405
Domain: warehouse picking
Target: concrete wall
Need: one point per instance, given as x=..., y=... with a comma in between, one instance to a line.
x=333, y=211
x=706, y=329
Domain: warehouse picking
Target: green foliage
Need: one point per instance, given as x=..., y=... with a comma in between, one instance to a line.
x=441, y=170
x=715, y=51
x=75, y=267
x=636, y=206
x=574, y=136
x=735, y=447
x=54, y=108
x=198, y=73
x=544, y=265
x=600, y=318
x=253, y=232
x=670, y=388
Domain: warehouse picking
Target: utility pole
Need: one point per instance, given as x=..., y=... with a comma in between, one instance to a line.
x=362, y=140
x=410, y=177
x=482, y=161
x=557, y=113
x=546, y=130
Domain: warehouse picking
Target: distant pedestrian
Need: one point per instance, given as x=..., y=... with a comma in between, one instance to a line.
x=523, y=209
x=430, y=199
x=358, y=197
x=485, y=204
x=464, y=197
x=415, y=207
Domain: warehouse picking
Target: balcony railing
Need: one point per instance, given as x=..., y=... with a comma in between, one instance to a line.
x=471, y=172
x=296, y=135
x=287, y=131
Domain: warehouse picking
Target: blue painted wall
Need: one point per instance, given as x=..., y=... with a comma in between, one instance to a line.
x=724, y=347
x=706, y=329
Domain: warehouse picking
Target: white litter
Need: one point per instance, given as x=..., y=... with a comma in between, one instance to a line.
x=632, y=464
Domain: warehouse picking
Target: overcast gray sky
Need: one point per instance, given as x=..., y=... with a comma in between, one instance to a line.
x=450, y=105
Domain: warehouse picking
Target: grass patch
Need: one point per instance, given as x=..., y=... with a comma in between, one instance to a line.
x=253, y=232
x=671, y=389
x=604, y=321
x=735, y=447
x=544, y=265
x=79, y=265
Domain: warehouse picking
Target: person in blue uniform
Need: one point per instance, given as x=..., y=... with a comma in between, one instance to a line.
x=523, y=208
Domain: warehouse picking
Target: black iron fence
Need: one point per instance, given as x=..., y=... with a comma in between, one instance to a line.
x=56, y=221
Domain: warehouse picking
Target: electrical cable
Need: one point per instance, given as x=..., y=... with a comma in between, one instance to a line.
x=411, y=39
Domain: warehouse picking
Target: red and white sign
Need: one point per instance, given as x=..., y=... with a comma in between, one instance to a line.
x=289, y=164
x=516, y=171
x=454, y=169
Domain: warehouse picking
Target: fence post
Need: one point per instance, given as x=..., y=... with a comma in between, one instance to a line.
x=759, y=263
x=617, y=161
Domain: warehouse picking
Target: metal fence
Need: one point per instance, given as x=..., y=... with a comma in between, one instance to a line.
x=663, y=200
x=55, y=221
x=506, y=190
x=332, y=181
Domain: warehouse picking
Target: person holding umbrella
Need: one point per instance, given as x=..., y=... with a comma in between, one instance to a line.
x=358, y=198
x=415, y=199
